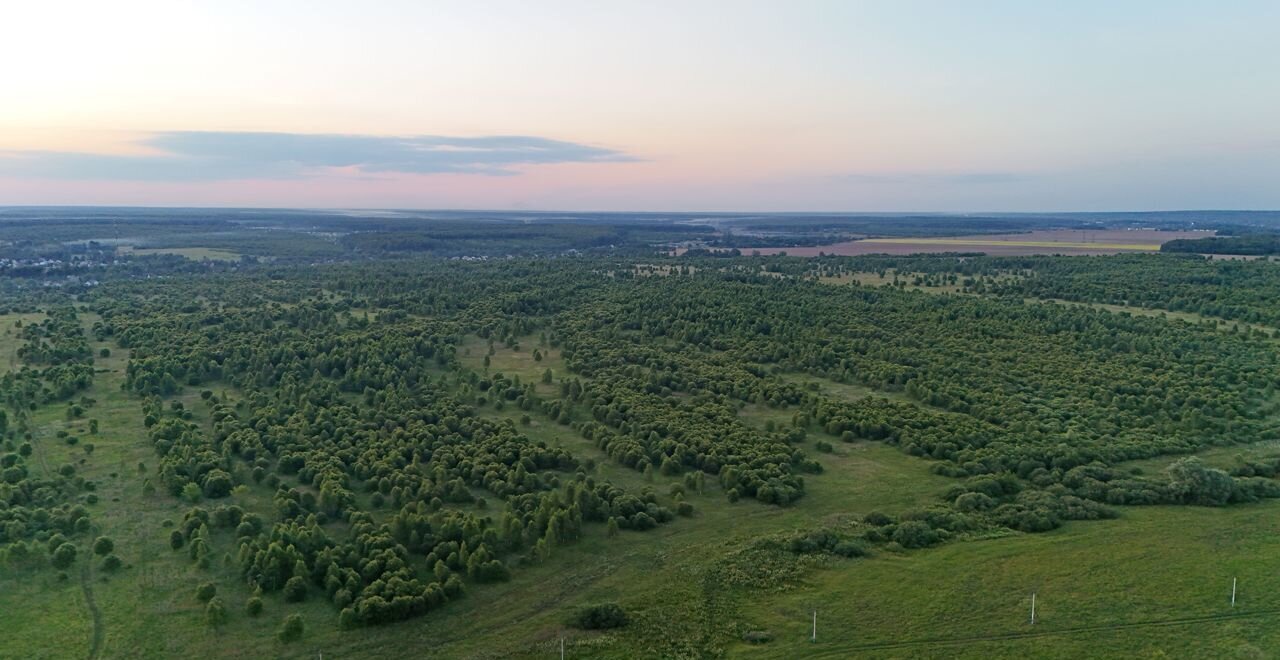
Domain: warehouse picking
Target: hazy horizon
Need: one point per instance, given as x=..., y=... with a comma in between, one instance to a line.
x=815, y=106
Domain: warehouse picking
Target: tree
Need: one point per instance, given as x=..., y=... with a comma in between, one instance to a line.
x=1193, y=482
x=215, y=612
x=64, y=556
x=111, y=563
x=206, y=591
x=599, y=617
x=103, y=546
x=295, y=589
x=191, y=492
x=253, y=606
x=914, y=534
x=217, y=484
x=292, y=628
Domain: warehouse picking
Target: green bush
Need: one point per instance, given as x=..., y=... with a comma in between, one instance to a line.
x=64, y=556
x=215, y=612
x=291, y=629
x=103, y=546
x=599, y=617
x=111, y=563
x=295, y=590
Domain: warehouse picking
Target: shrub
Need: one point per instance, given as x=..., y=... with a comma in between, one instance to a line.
x=206, y=591
x=599, y=617
x=215, y=612
x=191, y=492
x=103, y=546
x=1192, y=482
x=64, y=556
x=878, y=519
x=915, y=534
x=295, y=590
x=969, y=502
x=217, y=484
x=291, y=629
x=849, y=548
x=253, y=606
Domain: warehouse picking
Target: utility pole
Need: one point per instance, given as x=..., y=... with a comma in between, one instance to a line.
x=814, y=637
x=562, y=647
x=1233, y=592
x=1033, y=608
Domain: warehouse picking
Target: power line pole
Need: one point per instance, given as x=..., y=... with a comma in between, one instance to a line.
x=562, y=647
x=814, y=637
x=1033, y=608
x=1233, y=592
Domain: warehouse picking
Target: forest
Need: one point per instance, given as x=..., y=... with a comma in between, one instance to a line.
x=1251, y=244
x=328, y=454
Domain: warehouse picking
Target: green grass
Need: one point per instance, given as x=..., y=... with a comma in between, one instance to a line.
x=1154, y=564
x=515, y=362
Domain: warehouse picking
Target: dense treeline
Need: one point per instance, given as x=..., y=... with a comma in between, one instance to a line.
x=1247, y=244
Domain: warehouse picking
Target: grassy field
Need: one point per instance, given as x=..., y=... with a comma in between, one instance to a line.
x=1052, y=241
x=1154, y=583
x=192, y=253
x=981, y=242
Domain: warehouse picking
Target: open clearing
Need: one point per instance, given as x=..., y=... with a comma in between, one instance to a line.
x=192, y=253
x=1055, y=241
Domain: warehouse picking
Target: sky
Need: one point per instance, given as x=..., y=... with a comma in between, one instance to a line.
x=695, y=105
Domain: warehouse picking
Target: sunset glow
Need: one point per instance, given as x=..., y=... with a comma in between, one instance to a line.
x=653, y=106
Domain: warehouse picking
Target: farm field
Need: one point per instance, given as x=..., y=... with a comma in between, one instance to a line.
x=1066, y=242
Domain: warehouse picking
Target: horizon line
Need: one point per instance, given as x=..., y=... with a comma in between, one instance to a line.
x=386, y=209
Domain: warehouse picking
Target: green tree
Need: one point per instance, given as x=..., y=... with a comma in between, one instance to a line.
x=103, y=546
x=292, y=628
x=215, y=612
x=64, y=556
x=295, y=589
x=206, y=591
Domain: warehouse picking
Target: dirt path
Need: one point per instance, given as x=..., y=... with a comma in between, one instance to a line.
x=86, y=583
